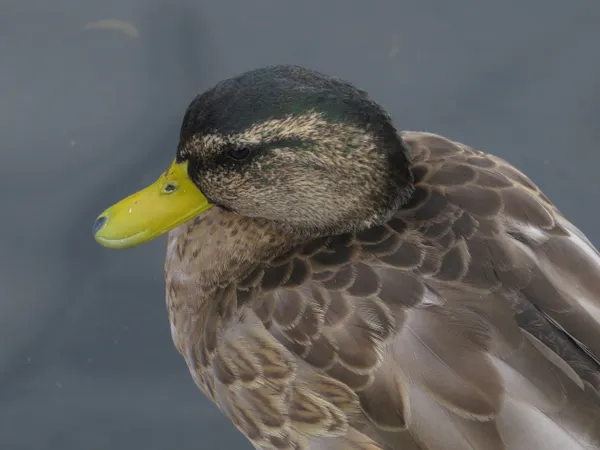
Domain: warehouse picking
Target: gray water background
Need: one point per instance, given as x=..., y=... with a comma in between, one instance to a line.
x=88, y=116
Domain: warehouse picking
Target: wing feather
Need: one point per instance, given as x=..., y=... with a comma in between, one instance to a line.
x=471, y=320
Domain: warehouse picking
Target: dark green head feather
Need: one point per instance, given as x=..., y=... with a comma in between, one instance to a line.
x=319, y=154
x=273, y=92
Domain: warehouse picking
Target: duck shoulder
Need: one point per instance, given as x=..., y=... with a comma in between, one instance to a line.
x=469, y=320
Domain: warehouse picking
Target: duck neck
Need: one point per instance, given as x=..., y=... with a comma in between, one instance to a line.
x=218, y=246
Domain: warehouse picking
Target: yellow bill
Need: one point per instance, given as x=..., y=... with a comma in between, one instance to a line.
x=167, y=203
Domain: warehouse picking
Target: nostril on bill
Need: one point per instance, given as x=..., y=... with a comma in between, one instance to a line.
x=99, y=223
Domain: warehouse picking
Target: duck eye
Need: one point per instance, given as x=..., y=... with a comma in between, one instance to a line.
x=238, y=153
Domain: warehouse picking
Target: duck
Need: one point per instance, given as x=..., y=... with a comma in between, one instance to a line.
x=335, y=283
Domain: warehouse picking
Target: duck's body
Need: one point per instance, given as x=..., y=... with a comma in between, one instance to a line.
x=462, y=312
x=435, y=325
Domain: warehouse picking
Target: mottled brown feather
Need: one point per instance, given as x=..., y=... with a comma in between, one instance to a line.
x=471, y=319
